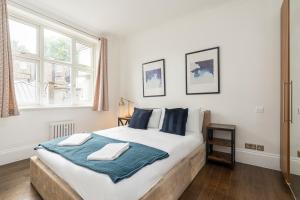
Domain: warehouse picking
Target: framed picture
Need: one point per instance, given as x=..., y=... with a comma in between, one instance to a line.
x=202, y=72
x=154, y=83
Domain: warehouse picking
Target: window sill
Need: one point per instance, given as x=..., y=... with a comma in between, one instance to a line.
x=29, y=108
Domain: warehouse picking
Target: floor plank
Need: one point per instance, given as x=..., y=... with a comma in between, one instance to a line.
x=212, y=183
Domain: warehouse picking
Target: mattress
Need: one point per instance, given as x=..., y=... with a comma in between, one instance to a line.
x=94, y=186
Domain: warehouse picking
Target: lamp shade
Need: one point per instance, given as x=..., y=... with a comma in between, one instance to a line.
x=124, y=107
x=122, y=102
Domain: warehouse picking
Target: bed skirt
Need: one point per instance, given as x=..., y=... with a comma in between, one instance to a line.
x=170, y=187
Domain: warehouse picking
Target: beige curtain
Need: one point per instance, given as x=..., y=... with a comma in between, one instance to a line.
x=8, y=104
x=101, y=91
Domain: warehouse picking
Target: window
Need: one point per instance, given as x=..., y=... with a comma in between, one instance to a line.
x=57, y=46
x=83, y=53
x=25, y=75
x=83, y=83
x=57, y=84
x=51, y=68
x=23, y=37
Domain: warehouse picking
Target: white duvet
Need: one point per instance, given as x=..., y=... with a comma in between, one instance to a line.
x=91, y=185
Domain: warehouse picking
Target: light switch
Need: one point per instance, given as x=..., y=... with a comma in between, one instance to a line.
x=259, y=109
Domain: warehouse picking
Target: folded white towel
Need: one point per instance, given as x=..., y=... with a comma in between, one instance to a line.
x=109, y=152
x=76, y=139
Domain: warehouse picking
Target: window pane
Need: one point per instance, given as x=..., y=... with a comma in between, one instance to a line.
x=84, y=54
x=84, y=86
x=57, y=46
x=25, y=82
x=57, y=80
x=23, y=37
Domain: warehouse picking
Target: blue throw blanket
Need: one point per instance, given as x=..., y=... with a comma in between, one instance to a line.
x=131, y=161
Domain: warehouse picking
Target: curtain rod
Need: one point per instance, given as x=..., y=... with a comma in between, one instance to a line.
x=53, y=19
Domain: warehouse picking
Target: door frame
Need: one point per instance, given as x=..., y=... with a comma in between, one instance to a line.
x=285, y=92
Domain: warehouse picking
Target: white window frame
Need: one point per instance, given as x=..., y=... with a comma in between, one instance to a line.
x=40, y=59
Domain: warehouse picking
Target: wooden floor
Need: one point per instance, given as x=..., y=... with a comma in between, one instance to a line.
x=213, y=182
x=15, y=182
x=296, y=185
x=243, y=183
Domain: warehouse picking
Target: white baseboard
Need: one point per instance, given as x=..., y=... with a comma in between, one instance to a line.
x=295, y=165
x=16, y=153
x=258, y=158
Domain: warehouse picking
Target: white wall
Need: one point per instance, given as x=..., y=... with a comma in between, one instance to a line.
x=20, y=134
x=294, y=74
x=248, y=33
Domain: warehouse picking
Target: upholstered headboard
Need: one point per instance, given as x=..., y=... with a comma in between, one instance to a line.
x=206, y=122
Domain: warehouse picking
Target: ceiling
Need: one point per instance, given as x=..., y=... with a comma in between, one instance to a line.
x=120, y=17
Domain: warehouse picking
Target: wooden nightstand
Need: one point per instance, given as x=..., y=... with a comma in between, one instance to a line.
x=217, y=156
x=122, y=121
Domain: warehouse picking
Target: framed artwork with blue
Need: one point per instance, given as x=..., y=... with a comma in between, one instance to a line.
x=202, y=71
x=154, y=84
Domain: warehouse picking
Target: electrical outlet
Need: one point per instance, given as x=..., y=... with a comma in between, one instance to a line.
x=250, y=146
x=260, y=148
x=298, y=153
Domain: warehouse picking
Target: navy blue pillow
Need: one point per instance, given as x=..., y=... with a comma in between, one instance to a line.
x=175, y=121
x=140, y=118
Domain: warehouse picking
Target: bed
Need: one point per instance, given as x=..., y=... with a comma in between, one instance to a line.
x=57, y=178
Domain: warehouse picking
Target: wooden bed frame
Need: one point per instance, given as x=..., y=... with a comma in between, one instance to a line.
x=170, y=187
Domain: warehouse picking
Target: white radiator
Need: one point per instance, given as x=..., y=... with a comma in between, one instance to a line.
x=61, y=128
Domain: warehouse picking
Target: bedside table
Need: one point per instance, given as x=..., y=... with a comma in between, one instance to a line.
x=122, y=121
x=217, y=156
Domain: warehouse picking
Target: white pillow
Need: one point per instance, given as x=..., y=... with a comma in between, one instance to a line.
x=195, y=121
x=163, y=110
x=155, y=118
